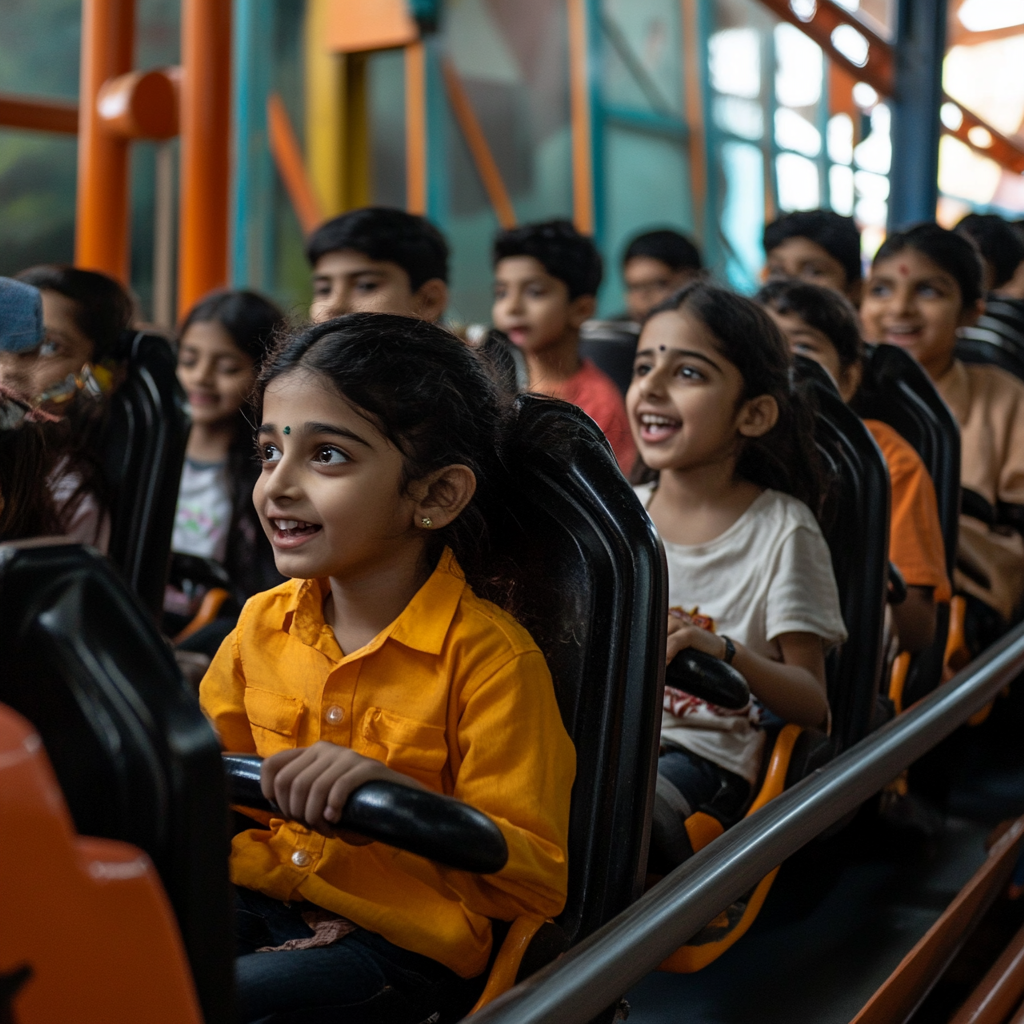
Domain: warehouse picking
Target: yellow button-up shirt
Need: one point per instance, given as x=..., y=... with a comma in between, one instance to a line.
x=455, y=694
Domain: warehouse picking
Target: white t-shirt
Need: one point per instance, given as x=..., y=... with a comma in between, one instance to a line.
x=770, y=573
x=84, y=521
x=203, y=516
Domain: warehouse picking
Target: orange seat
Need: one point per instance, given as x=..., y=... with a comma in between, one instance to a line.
x=86, y=924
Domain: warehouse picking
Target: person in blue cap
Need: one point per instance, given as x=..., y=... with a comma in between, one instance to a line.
x=21, y=317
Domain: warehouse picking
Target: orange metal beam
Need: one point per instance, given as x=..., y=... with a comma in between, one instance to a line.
x=205, y=141
x=579, y=114
x=287, y=154
x=102, y=206
x=479, y=150
x=416, y=128
x=39, y=115
x=140, y=104
x=878, y=73
x=827, y=17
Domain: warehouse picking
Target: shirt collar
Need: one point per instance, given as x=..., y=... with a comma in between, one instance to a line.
x=423, y=624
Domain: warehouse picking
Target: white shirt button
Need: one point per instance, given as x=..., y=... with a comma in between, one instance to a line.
x=300, y=858
x=335, y=714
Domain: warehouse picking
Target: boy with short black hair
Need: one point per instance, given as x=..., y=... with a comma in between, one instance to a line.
x=817, y=247
x=654, y=266
x=820, y=324
x=546, y=278
x=1002, y=252
x=378, y=260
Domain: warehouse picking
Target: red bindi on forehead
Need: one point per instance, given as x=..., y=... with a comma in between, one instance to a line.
x=904, y=270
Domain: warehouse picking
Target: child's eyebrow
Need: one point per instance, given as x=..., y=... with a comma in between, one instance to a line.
x=320, y=428
x=682, y=352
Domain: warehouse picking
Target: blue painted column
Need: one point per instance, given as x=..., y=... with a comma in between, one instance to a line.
x=252, y=208
x=595, y=59
x=918, y=52
x=438, y=128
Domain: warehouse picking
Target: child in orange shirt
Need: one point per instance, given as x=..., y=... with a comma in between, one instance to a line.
x=377, y=660
x=820, y=324
x=546, y=278
x=925, y=285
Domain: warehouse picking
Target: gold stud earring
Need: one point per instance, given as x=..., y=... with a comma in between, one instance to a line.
x=427, y=522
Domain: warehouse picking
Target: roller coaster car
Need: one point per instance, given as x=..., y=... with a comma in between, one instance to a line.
x=896, y=390
x=138, y=762
x=142, y=452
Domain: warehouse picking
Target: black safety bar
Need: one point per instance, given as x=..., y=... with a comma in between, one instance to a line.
x=422, y=822
x=595, y=973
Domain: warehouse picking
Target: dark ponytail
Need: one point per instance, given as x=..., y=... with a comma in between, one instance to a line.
x=786, y=458
x=434, y=399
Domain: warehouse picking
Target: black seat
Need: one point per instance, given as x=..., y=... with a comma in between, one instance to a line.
x=611, y=346
x=856, y=526
x=592, y=571
x=143, y=449
x=983, y=345
x=138, y=761
x=897, y=390
x=132, y=751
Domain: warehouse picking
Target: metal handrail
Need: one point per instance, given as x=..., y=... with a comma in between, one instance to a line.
x=595, y=973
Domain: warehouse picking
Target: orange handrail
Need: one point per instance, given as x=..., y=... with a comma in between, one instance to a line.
x=579, y=114
x=102, y=202
x=205, y=144
x=38, y=114
x=284, y=147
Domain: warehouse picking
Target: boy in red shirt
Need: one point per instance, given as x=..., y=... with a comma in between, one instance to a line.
x=546, y=278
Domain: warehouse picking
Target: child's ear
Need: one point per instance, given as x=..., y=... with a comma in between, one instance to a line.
x=758, y=416
x=431, y=299
x=969, y=315
x=442, y=495
x=581, y=309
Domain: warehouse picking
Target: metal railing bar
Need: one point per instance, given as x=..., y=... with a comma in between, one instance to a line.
x=595, y=973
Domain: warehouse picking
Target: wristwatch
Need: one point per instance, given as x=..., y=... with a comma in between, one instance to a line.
x=730, y=651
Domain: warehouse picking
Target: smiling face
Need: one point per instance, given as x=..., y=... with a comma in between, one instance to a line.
x=346, y=281
x=533, y=308
x=649, y=281
x=330, y=495
x=803, y=260
x=912, y=302
x=684, y=404
x=64, y=350
x=215, y=373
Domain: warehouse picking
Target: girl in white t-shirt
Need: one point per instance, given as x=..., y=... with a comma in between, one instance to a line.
x=729, y=476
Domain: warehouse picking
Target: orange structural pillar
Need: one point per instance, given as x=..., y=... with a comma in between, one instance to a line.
x=205, y=143
x=102, y=213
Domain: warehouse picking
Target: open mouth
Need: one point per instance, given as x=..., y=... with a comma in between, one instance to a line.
x=290, y=533
x=655, y=428
x=902, y=334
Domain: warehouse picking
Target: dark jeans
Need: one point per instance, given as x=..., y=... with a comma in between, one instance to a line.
x=686, y=782
x=361, y=979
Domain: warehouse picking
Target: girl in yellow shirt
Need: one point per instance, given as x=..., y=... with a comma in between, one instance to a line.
x=379, y=438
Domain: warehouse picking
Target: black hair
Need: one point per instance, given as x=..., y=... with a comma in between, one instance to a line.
x=999, y=244
x=836, y=234
x=431, y=395
x=27, y=458
x=676, y=251
x=957, y=254
x=386, y=235
x=253, y=321
x=785, y=458
x=821, y=308
x=103, y=309
x=563, y=252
